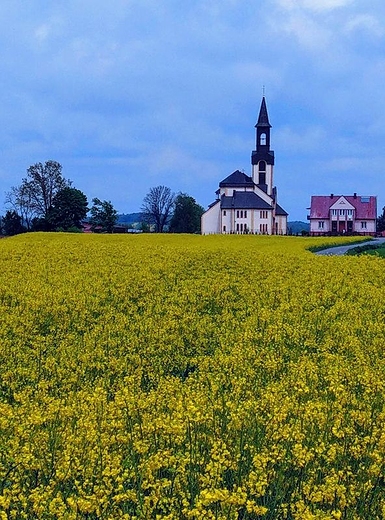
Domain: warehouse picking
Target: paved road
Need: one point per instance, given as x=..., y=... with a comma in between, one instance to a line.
x=341, y=250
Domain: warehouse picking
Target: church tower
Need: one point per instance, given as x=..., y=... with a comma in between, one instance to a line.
x=262, y=159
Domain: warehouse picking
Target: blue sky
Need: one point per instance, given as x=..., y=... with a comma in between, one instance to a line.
x=131, y=94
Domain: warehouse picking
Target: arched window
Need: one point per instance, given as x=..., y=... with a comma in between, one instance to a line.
x=262, y=139
x=262, y=172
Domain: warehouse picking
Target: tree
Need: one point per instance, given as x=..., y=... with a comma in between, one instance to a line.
x=103, y=216
x=19, y=199
x=157, y=207
x=69, y=208
x=381, y=221
x=187, y=215
x=12, y=223
x=34, y=197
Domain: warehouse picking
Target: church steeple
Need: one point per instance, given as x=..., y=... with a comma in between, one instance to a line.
x=263, y=128
x=262, y=158
x=263, y=118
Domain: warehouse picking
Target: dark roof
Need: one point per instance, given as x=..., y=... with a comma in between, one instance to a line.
x=213, y=203
x=280, y=211
x=236, y=179
x=263, y=118
x=244, y=200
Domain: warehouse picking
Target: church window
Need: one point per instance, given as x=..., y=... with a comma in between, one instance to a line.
x=241, y=217
x=241, y=228
x=237, y=227
x=237, y=213
x=262, y=139
x=245, y=214
x=224, y=213
x=224, y=229
x=262, y=172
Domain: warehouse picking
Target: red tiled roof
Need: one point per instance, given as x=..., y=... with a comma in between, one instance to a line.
x=320, y=206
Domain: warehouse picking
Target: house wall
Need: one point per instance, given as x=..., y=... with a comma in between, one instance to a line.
x=314, y=227
x=370, y=226
x=357, y=226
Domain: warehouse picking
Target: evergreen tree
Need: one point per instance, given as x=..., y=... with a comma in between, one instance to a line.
x=187, y=215
x=12, y=223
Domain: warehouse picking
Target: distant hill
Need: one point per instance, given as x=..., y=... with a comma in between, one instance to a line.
x=296, y=227
x=129, y=218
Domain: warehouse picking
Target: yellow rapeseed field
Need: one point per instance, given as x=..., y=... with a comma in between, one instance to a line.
x=188, y=377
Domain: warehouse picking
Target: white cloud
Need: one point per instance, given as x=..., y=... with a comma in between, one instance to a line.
x=366, y=23
x=309, y=33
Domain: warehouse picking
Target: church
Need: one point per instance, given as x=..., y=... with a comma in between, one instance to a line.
x=247, y=204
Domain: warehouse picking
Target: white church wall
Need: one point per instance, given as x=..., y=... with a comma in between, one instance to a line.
x=282, y=224
x=210, y=222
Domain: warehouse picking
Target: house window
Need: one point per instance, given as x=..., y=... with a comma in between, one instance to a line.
x=363, y=225
x=342, y=212
x=334, y=212
x=224, y=213
x=321, y=224
x=350, y=212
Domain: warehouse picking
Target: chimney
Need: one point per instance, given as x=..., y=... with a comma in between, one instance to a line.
x=354, y=195
x=331, y=195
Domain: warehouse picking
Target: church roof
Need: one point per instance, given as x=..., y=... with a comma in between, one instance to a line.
x=244, y=200
x=263, y=118
x=236, y=179
x=365, y=207
x=280, y=211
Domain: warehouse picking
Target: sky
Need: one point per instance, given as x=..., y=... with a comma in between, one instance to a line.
x=131, y=94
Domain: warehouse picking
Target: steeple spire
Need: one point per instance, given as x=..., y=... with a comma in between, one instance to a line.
x=263, y=118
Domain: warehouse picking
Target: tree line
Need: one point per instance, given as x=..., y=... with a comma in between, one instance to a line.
x=47, y=201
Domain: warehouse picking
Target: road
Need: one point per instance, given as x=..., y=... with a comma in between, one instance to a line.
x=341, y=250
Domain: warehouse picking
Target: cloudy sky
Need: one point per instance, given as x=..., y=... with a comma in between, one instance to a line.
x=131, y=94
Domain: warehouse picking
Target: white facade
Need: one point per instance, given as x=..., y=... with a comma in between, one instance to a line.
x=248, y=204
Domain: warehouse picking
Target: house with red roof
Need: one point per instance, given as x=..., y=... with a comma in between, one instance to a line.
x=343, y=214
x=248, y=204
